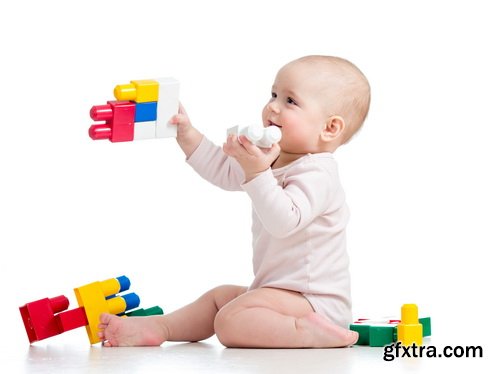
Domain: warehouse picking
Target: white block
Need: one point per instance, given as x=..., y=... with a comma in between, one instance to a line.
x=145, y=130
x=233, y=131
x=168, y=106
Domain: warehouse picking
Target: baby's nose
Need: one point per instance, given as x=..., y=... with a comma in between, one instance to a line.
x=273, y=107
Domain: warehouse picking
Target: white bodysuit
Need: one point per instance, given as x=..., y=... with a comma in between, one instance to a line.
x=299, y=221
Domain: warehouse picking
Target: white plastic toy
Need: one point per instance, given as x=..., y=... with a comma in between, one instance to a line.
x=263, y=137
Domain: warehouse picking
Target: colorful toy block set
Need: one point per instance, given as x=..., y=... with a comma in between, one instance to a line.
x=48, y=317
x=408, y=330
x=142, y=110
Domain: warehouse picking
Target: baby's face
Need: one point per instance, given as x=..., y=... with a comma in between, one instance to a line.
x=297, y=108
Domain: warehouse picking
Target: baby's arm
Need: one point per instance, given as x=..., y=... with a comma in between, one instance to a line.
x=308, y=192
x=206, y=158
x=283, y=210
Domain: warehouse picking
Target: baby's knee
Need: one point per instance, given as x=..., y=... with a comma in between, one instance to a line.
x=225, y=328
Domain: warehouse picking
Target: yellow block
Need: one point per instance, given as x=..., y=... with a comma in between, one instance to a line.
x=410, y=330
x=93, y=298
x=140, y=91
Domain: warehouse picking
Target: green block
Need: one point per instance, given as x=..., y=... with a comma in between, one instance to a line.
x=363, y=331
x=155, y=310
x=381, y=336
x=373, y=335
x=426, y=324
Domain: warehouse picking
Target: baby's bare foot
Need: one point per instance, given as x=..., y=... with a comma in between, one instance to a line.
x=325, y=334
x=132, y=331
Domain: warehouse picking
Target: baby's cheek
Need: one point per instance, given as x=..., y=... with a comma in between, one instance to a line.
x=296, y=135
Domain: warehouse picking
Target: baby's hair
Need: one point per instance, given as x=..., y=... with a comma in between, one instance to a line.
x=353, y=87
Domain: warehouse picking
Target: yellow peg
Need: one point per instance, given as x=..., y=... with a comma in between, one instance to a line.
x=409, y=329
x=140, y=91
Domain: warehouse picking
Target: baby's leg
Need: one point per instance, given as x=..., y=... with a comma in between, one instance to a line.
x=193, y=322
x=274, y=318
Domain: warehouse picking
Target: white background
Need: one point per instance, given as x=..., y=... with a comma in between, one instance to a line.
x=422, y=177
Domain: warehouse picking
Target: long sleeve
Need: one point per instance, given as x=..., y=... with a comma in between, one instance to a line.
x=210, y=162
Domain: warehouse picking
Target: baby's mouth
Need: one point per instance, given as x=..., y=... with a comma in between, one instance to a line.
x=271, y=123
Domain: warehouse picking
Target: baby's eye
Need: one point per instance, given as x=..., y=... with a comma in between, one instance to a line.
x=289, y=100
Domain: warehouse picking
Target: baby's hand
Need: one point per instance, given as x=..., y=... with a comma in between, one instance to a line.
x=187, y=136
x=182, y=121
x=253, y=160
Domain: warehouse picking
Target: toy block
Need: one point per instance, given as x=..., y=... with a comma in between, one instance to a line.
x=380, y=332
x=168, y=106
x=381, y=336
x=409, y=329
x=272, y=135
x=100, y=297
x=153, y=311
x=426, y=325
x=139, y=91
x=38, y=317
x=48, y=317
x=383, y=331
x=71, y=319
x=145, y=130
x=375, y=332
x=363, y=333
x=263, y=137
x=119, y=121
x=145, y=111
x=252, y=133
x=150, y=100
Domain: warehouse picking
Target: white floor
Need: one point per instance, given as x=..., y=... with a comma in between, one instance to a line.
x=70, y=353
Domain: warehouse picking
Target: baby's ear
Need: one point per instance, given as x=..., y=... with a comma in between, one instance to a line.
x=334, y=128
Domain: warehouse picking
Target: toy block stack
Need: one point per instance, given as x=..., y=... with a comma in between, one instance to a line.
x=48, y=317
x=142, y=110
x=387, y=330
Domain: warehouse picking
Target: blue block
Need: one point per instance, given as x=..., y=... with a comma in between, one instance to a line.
x=124, y=283
x=132, y=300
x=145, y=111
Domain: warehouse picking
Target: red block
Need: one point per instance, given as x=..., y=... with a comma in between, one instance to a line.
x=38, y=317
x=119, y=117
x=71, y=319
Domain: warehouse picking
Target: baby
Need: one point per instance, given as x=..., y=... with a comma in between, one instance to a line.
x=300, y=296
